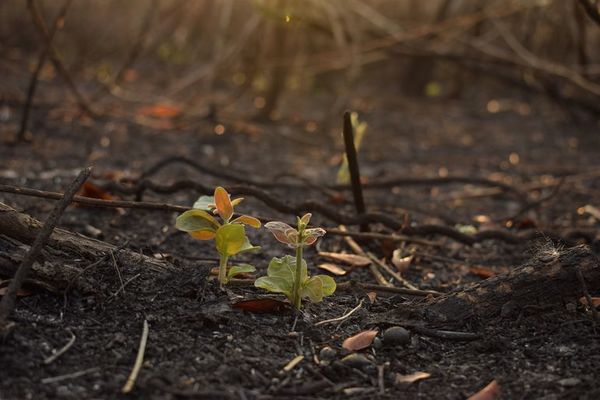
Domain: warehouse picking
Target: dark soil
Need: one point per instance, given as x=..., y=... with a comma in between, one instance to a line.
x=199, y=347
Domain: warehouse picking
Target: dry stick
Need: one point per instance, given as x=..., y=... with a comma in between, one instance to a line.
x=73, y=375
x=387, y=289
x=372, y=267
x=36, y=73
x=343, y=317
x=317, y=207
x=383, y=184
x=138, y=361
x=352, y=158
x=63, y=350
x=38, y=21
x=8, y=301
x=390, y=271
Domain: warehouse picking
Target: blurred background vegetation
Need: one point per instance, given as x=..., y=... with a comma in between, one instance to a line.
x=266, y=56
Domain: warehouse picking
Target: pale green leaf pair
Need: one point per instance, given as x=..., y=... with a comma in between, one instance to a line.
x=239, y=269
x=280, y=278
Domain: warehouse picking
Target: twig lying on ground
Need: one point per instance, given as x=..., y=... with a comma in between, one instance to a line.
x=350, y=285
x=382, y=184
x=314, y=206
x=7, y=304
x=139, y=359
x=63, y=350
x=372, y=267
x=343, y=317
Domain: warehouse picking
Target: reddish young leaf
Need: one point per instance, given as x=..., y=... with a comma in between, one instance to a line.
x=360, y=341
x=262, y=306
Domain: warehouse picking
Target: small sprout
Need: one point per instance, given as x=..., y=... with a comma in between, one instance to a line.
x=289, y=275
x=229, y=235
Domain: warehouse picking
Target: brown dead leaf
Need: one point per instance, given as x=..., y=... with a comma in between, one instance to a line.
x=333, y=268
x=159, y=111
x=350, y=259
x=360, y=341
x=262, y=306
x=490, y=392
x=482, y=272
x=20, y=293
x=401, y=263
x=411, y=378
x=372, y=296
x=95, y=192
x=595, y=301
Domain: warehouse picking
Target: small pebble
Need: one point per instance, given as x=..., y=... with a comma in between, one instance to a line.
x=376, y=343
x=568, y=382
x=327, y=353
x=396, y=335
x=356, y=360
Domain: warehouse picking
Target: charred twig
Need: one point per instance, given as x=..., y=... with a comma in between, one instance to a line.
x=38, y=21
x=8, y=301
x=58, y=21
x=386, y=289
x=353, y=168
x=383, y=184
x=538, y=202
x=315, y=206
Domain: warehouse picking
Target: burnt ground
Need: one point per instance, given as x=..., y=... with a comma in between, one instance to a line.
x=199, y=347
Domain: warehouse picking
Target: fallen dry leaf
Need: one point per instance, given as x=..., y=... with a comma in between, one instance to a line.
x=490, y=392
x=401, y=263
x=20, y=293
x=333, y=268
x=595, y=301
x=372, y=296
x=95, y=192
x=360, y=341
x=262, y=306
x=160, y=111
x=411, y=378
x=350, y=259
x=482, y=272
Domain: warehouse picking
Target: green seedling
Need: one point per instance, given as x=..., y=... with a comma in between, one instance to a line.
x=229, y=235
x=289, y=275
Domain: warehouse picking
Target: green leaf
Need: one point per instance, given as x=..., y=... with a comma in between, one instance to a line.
x=313, y=289
x=231, y=239
x=204, y=202
x=328, y=284
x=240, y=269
x=275, y=285
x=196, y=220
